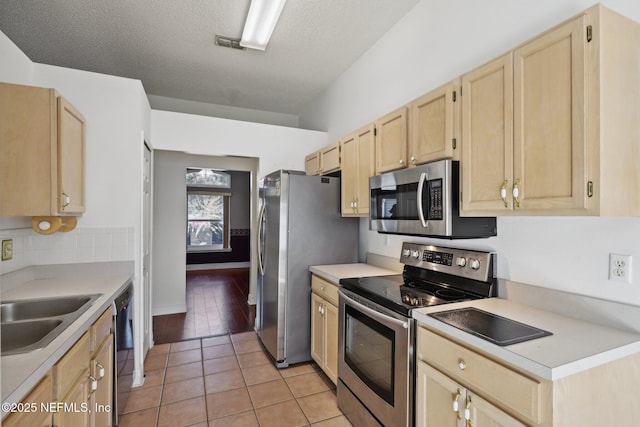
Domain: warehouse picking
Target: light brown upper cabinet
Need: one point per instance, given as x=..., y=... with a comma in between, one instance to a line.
x=357, y=166
x=391, y=141
x=550, y=128
x=312, y=163
x=434, y=123
x=487, y=135
x=324, y=161
x=42, y=148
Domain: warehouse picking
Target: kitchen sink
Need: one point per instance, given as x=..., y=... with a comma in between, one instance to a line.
x=28, y=325
x=23, y=335
x=38, y=308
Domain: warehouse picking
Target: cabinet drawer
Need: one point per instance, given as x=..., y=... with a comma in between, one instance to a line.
x=490, y=379
x=100, y=329
x=72, y=365
x=325, y=289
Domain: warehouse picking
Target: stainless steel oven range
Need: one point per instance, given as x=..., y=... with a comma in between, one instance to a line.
x=377, y=334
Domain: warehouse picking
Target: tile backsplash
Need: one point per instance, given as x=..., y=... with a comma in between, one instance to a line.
x=81, y=245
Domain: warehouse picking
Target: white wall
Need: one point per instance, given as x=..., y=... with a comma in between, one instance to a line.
x=117, y=114
x=223, y=111
x=170, y=215
x=276, y=147
x=16, y=66
x=435, y=42
x=272, y=147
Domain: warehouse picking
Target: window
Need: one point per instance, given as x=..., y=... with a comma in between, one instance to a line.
x=207, y=210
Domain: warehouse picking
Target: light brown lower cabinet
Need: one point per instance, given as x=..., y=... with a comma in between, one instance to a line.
x=445, y=403
x=324, y=326
x=78, y=390
x=101, y=368
x=72, y=385
x=34, y=416
x=459, y=386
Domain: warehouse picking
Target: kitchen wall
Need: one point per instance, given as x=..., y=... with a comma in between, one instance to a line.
x=435, y=42
x=117, y=114
x=273, y=147
x=223, y=111
x=170, y=208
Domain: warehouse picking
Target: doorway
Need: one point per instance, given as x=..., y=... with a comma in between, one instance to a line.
x=202, y=245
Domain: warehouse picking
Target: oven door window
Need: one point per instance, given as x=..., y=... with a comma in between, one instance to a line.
x=369, y=352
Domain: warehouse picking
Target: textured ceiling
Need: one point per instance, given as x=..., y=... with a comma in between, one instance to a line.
x=169, y=44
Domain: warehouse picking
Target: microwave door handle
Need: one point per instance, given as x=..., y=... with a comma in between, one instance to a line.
x=423, y=179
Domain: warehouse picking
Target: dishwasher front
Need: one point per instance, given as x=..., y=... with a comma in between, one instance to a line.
x=123, y=335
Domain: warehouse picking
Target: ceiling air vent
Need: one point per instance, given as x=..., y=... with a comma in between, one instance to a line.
x=225, y=41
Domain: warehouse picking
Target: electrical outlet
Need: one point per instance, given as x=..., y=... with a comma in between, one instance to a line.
x=620, y=268
x=7, y=249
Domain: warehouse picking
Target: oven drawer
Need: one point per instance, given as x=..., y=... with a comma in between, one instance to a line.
x=325, y=289
x=484, y=376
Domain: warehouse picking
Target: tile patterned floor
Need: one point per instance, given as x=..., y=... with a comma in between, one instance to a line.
x=228, y=380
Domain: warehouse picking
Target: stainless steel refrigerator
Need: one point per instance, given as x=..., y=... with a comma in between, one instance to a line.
x=300, y=226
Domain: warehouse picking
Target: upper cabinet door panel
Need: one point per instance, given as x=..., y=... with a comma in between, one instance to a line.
x=349, y=173
x=487, y=136
x=330, y=158
x=391, y=141
x=312, y=164
x=365, y=140
x=71, y=146
x=550, y=147
x=432, y=125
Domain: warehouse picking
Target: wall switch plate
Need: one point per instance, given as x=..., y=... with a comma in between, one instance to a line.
x=620, y=268
x=7, y=249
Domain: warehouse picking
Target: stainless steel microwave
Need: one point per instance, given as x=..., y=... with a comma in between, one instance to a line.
x=424, y=201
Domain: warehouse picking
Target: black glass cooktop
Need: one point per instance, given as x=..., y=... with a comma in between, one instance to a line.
x=491, y=327
x=403, y=294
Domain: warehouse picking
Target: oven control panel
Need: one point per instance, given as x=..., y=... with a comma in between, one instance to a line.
x=478, y=265
x=437, y=257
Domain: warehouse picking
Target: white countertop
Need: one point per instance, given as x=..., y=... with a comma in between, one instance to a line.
x=21, y=372
x=575, y=346
x=335, y=272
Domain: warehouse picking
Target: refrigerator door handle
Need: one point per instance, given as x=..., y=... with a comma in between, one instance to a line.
x=261, y=216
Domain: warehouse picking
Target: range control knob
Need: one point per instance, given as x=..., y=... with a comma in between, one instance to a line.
x=415, y=301
x=406, y=253
x=461, y=261
x=474, y=263
x=406, y=299
x=415, y=254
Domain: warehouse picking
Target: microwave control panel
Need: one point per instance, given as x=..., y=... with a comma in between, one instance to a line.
x=435, y=199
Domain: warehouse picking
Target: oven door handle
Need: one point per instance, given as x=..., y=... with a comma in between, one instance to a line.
x=421, y=181
x=380, y=317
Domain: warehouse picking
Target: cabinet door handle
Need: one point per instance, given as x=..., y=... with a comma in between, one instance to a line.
x=456, y=404
x=93, y=384
x=467, y=412
x=65, y=200
x=516, y=193
x=503, y=193
x=401, y=161
x=413, y=160
x=100, y=370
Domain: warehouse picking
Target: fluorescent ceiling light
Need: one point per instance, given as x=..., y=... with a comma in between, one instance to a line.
x=261, y=20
